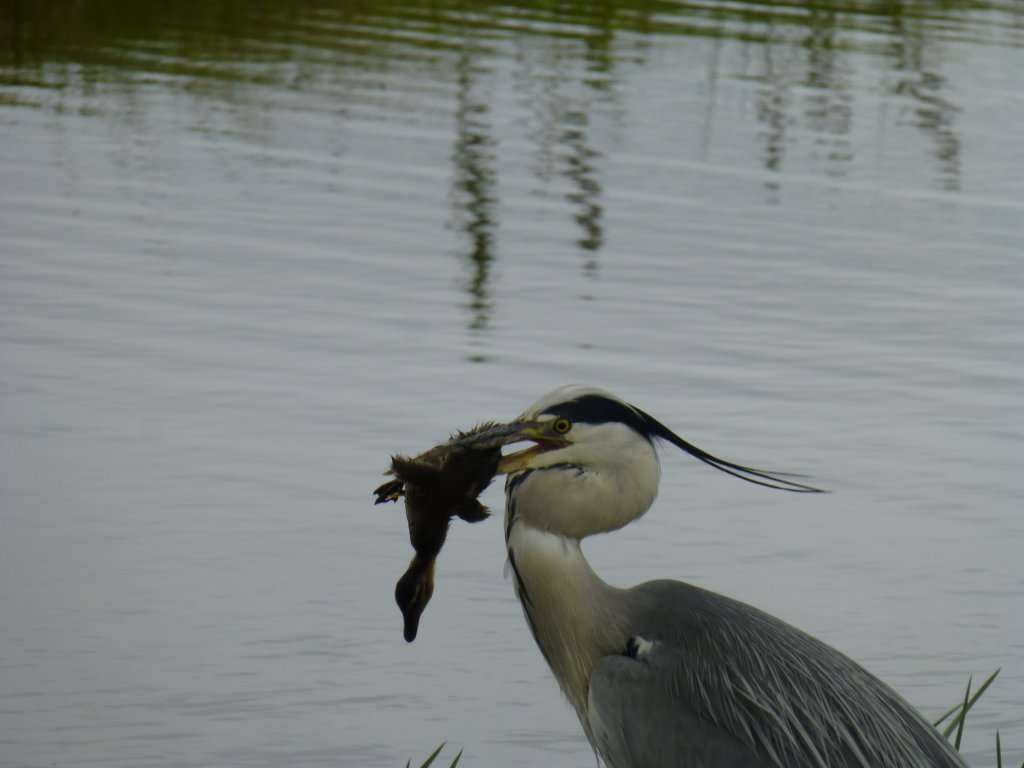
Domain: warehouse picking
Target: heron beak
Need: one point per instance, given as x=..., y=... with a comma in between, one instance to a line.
x=519, y=460
x=497, y=435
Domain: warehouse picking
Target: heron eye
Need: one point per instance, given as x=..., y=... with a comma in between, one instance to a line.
x=562, y=425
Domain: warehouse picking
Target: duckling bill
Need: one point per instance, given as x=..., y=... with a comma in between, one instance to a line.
x=438, y=485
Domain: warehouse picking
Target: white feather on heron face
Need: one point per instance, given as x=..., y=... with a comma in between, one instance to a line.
x=605, y=477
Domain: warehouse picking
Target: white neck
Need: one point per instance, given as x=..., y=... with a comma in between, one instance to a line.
x=572, y=613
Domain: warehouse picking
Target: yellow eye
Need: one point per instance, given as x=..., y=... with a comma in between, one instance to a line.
x=561, y=425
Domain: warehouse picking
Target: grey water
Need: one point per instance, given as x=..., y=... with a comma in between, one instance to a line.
x=247, y=251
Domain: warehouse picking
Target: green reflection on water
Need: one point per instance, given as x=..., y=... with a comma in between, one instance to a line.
x=224, y=50
x=188, y=36
x=473, y=193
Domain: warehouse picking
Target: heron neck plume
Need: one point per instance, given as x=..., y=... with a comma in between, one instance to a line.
x=575, y=617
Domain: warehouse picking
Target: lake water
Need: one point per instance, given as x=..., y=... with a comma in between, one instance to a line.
x=247, y=250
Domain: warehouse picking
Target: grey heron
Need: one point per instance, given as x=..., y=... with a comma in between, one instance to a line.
x=666, y=674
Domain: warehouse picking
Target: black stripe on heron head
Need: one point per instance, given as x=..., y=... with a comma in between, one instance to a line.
x=598, y=409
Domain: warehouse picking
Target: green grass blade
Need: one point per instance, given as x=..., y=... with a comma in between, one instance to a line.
x=982, y=688
x=965, y=707
x=949, y=712
x=433, y=757
x=962, y=717
x=959, y=715
x=455, y=762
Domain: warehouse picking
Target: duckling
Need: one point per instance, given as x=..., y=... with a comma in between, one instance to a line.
x=438, y=485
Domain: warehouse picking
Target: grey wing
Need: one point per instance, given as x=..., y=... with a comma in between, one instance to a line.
x=637, y=720
x=706, y=673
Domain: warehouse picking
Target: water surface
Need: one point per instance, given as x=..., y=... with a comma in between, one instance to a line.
x=249, y=249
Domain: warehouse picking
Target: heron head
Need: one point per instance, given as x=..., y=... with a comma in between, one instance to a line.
x=593, y=465
x=588, y=427
x=582, y=427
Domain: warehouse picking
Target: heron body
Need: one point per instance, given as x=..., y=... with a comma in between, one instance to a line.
x=665, y=674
